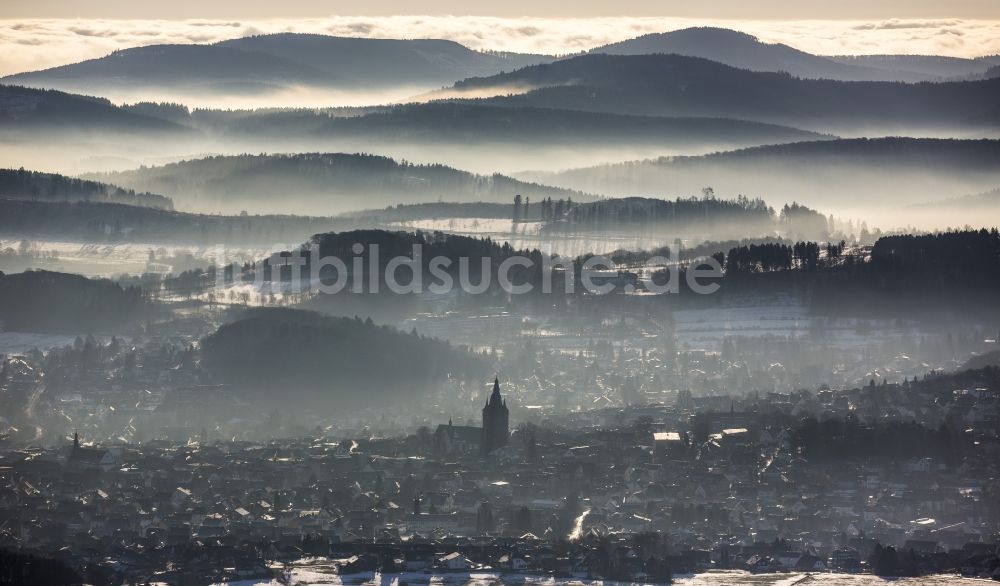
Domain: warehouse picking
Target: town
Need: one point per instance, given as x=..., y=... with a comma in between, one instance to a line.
x=843, y=481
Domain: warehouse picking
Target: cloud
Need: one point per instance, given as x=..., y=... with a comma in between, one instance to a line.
x=527, y=31
x=27, y=45
x=361, y=28
x=896, y=24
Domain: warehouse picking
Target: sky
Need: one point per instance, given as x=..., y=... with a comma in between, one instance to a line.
x=46, y=33
x=742, y=9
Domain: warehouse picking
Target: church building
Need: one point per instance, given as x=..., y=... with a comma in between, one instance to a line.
x=451, y=439
x=496, y=426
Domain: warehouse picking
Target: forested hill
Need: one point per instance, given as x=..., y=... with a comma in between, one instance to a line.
x=704, y=217
x=294, y=356
x=970, y=154
x=673, y=85
x=821, y=174
x=43, y=301
x=267, y=62
x=26, y=109
x=480, y=123
x=52, y=187
x=319, y=183
x=635, y=211
x=738, y=49
x=934, y=276
x=108, y=222
x=368, y=62
x=177, y=64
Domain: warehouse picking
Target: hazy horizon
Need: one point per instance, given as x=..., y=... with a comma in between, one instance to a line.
x=33, y=43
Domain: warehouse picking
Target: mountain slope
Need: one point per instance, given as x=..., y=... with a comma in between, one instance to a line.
x=319, y=183
x=674, y=85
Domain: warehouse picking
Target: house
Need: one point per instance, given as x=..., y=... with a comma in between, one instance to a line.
x=357, y=564
x=418, y=557
x=454, y=561
x=665, y=442
x=513, y=562
x=180, y=496
x=809, y=563
x=736, y=436
x=762, y=564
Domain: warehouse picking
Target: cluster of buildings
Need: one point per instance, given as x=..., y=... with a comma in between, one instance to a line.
x=612, y=452
x=149, y=385
x=629, y=493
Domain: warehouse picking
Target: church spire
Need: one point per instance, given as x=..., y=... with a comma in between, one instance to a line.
x=495, y=421
x=495, y=398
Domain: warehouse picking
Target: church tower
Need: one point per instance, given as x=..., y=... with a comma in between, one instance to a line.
x=496, y=428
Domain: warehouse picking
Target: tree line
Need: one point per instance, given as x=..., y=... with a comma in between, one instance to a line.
x=705, y=213
x=35, y=186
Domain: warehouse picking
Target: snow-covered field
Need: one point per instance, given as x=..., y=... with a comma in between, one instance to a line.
x=707, y=327
x=307, y=577
x=108, y=259
x=526, y=235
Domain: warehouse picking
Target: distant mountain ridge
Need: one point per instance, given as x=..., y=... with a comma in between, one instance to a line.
x=988, y=200
x=920, y=67
x=478, y=122
x=384, y=61
x=267, y=62
x=675, y=85
x=30, y=109
x=465, y=133
x=114, y=222
x=738, y=49
x=319, y=183
x=259, y=63
x=184, y=64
